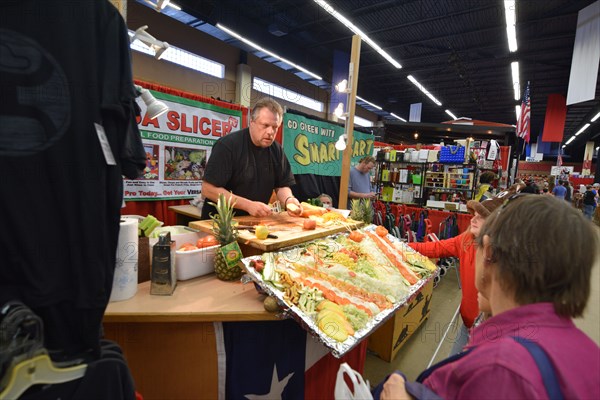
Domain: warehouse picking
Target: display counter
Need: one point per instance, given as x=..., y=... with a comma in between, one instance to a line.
x=170, y=342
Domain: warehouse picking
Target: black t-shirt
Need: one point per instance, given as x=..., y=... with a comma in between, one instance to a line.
x=239, y=166
x=65, y=66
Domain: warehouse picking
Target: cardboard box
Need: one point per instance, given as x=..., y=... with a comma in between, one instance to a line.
x=389, y=338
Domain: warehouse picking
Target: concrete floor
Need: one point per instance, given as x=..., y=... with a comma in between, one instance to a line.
x=418, y=351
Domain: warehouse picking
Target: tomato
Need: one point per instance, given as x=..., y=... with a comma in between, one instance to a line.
x=207, y=241
x=309, y=224
x=187, y=247
x=381, y=231
x=356, y=236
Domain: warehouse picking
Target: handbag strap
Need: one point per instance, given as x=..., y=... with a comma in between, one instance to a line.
x=544, y=365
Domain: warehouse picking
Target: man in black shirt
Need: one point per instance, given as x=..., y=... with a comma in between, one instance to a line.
x=249, y=164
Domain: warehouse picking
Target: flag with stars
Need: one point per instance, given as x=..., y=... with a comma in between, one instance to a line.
x=277, y=360
x=256, y=368
x=523, y=126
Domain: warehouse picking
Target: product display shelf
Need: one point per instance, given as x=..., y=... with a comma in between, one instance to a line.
x=400, y=181
x=450, y=182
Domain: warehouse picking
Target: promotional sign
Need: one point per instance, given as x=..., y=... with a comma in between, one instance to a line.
x=310, y=146
x=587, y=159
x=178, y=144
x=561, y=171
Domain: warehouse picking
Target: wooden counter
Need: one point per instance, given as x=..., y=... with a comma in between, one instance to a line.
x=204, y=299
x=185, y=214
x=170, y=342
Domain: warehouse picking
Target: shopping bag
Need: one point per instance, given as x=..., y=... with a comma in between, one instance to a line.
x=452, y=154
x=361, y=391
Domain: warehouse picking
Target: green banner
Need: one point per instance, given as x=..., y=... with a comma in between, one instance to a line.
x=310, y=146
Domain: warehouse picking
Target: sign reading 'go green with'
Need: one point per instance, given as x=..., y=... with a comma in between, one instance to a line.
x=310, y=146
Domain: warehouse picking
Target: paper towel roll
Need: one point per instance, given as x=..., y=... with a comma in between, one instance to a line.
x=125, y=280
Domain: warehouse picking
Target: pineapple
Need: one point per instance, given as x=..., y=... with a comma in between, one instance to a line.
x=225, y=232
x=362, y=210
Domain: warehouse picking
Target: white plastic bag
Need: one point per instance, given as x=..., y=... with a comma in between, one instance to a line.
x=362, y=390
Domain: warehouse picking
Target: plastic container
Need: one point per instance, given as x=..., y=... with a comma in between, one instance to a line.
x=195, y=263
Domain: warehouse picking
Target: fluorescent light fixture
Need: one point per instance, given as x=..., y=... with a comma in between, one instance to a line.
x=597, y=148
x=564, y=145
x=259, y=48
x=422, y=89
x=285, y=94
x=511, y=22
x=342, y=86
x=450, y=114
x=570, y=140
x=357, y=31
x=514, y=67
x=175, y=6
x=369, y=103
x=162, y=4
x=159, y=47
x=583, y=128
x=154, y=108
x=183, y=58
x=400, y=118
x=341, y=142
x=595, y=117
x=518, y=112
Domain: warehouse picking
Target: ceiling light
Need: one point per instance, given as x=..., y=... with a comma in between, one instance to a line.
x=597, y=148
x=450, y=114
x=154, y=108
x=564, y=145
x=342, y=86
x=259, y=48
x=570, y=140
x=583, y=128
x=158, y=46
x=595, y=117
x=422, y=89
x=161, y=4
x=369, y=103
x=416, y=135
x=357, y=31
x=514, y=66
x=341, y=143
x=518, y=112
x=511, y=22
x=400, y=118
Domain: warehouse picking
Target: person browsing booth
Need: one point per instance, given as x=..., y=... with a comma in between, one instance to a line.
x=463, y=247
x=249, y=164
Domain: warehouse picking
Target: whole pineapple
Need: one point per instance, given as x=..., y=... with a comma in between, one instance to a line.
x=225, y=232
x=361, y=210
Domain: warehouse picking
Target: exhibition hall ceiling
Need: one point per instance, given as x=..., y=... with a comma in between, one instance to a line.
x=457, y=49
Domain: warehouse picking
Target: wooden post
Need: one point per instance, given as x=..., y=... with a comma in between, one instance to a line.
x=349, y=125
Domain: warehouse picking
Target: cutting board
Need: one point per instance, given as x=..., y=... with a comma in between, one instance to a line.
x=288, y=230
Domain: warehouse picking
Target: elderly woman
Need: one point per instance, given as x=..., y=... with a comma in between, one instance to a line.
x=533, y=263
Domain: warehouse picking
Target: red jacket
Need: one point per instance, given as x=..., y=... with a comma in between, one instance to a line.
x=462, y=246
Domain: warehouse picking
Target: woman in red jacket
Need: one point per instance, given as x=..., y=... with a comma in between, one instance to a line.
x=463, y=247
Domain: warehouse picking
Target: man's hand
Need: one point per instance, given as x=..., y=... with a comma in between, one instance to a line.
x=258, y=209
x=296, y=208
x=371, y=195
x=394, y=389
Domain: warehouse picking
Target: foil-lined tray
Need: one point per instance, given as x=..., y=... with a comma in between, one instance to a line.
x=338, y=349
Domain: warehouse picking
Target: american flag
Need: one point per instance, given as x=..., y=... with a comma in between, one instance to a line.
x=523, y=126
x=559, y=158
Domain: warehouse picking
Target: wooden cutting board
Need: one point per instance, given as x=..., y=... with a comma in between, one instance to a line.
x=288, y=230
